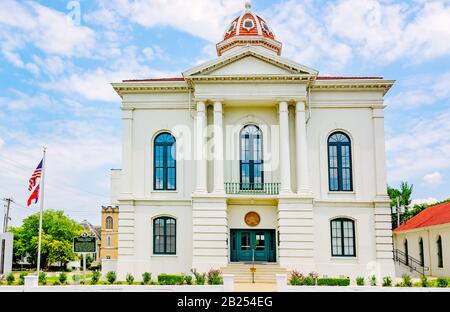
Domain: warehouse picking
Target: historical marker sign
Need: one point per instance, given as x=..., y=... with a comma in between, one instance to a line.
x=84, y=244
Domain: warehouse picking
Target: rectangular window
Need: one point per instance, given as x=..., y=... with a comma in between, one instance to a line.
x=164, y=236
x=343, y=238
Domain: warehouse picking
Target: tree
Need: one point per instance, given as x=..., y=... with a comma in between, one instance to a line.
x=404, y=194
x=58, y=232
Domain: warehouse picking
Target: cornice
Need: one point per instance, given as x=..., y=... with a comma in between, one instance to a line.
x=251, y=78
x=150, y=87
x=351, y=84
x=222, y=61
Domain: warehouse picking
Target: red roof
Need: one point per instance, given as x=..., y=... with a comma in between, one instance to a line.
x=434, y=215
x=182, y=79
x=155, y=79
x=342, y=77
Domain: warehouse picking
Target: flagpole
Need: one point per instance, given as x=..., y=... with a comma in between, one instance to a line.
x=41, y=197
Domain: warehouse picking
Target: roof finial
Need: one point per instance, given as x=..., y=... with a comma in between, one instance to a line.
x=248, y=5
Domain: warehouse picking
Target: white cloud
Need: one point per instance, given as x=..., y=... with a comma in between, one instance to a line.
x=433, y=178
x=23, y=101
x=419, y=91
x=423, y=147
x=303, y=36
x=51, y=31
x=154, y=52
x=79, y=156
x=96, y=84
x=204, y=19
x=420, y=201
x=389, y=31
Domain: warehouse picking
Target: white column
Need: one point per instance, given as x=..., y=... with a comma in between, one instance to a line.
x=127, y=153
x=303, y=187
x=202, y=164
x=218, y=148
x=380, y=161
x=285, y=170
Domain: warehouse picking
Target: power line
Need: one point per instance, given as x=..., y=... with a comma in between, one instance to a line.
x=67, y=185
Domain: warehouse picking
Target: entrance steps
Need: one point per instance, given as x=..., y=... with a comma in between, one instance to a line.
x=265, y=273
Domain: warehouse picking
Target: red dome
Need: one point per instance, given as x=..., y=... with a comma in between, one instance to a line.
x=248, y=28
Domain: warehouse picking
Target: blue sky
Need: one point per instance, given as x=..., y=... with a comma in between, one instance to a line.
x=58, y=57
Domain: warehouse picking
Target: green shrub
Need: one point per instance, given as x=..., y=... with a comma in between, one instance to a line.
x=82, y=282
x=442, y=282
x=309, y=281
x=188, y=280
x=424, y=281
x=22, y=278
x=62, y=277
x=296, y=278
x=387, y=281
x=406, y=281
x=10, y=278
x=130, y=279
x=76, y=278
x=170, y=279
x=95, y=277
x=373, y=280
x=42, y=278
x=146, y=278
x=314, y=276
x=215, y=277
x=360, y=281
x=333, y=281
x=111, y=277
x=199, y=278
x=56, y=283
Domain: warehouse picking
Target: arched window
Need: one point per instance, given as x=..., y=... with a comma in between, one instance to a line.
x=164, y=236
x=439, y=252
x=165, y=170
x=421, y=256
x=405, y=245
x=109, y=241
x=339, y=162
x=343, y=238
x=251, y=158
x=109, y=223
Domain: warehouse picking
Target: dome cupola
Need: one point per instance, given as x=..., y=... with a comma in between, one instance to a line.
x=248, y=29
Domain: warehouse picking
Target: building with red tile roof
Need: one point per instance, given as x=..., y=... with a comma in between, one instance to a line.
x=425, y=240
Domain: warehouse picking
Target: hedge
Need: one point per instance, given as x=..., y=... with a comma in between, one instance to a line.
x=333, y=281
x=170, y=279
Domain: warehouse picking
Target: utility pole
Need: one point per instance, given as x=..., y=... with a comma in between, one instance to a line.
x=5, y=229
x=398, y=211
x=6, y=218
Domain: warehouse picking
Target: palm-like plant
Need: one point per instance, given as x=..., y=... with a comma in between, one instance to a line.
x=404, y=195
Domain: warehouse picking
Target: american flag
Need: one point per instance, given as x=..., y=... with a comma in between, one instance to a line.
x=35, y=176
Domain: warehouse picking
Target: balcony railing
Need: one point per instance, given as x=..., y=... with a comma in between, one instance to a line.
x=252, y=188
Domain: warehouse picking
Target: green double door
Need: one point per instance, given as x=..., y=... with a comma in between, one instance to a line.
x=246, y=244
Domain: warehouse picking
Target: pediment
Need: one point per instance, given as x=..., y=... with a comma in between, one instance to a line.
x=249, y=61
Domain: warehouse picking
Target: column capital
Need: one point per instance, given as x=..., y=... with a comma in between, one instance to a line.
x=283, y=106
x=201, y=106
x=218, y=106
x=300, y=106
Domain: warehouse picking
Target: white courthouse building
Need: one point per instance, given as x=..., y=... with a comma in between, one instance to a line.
x=253, y=157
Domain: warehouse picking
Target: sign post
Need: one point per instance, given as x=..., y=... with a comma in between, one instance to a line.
x=83, y=245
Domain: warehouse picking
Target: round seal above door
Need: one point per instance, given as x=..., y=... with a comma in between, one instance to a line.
x=252, y=218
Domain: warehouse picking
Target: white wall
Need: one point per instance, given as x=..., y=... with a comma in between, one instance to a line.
x=254, y=102
x=144, y=259
x=429, y=235
x=365, y=240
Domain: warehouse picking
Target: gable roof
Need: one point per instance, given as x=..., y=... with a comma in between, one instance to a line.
x=434, y=215
x=293, y=67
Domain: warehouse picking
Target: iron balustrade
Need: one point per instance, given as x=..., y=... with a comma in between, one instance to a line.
x=412, y=263
x=252, y=188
